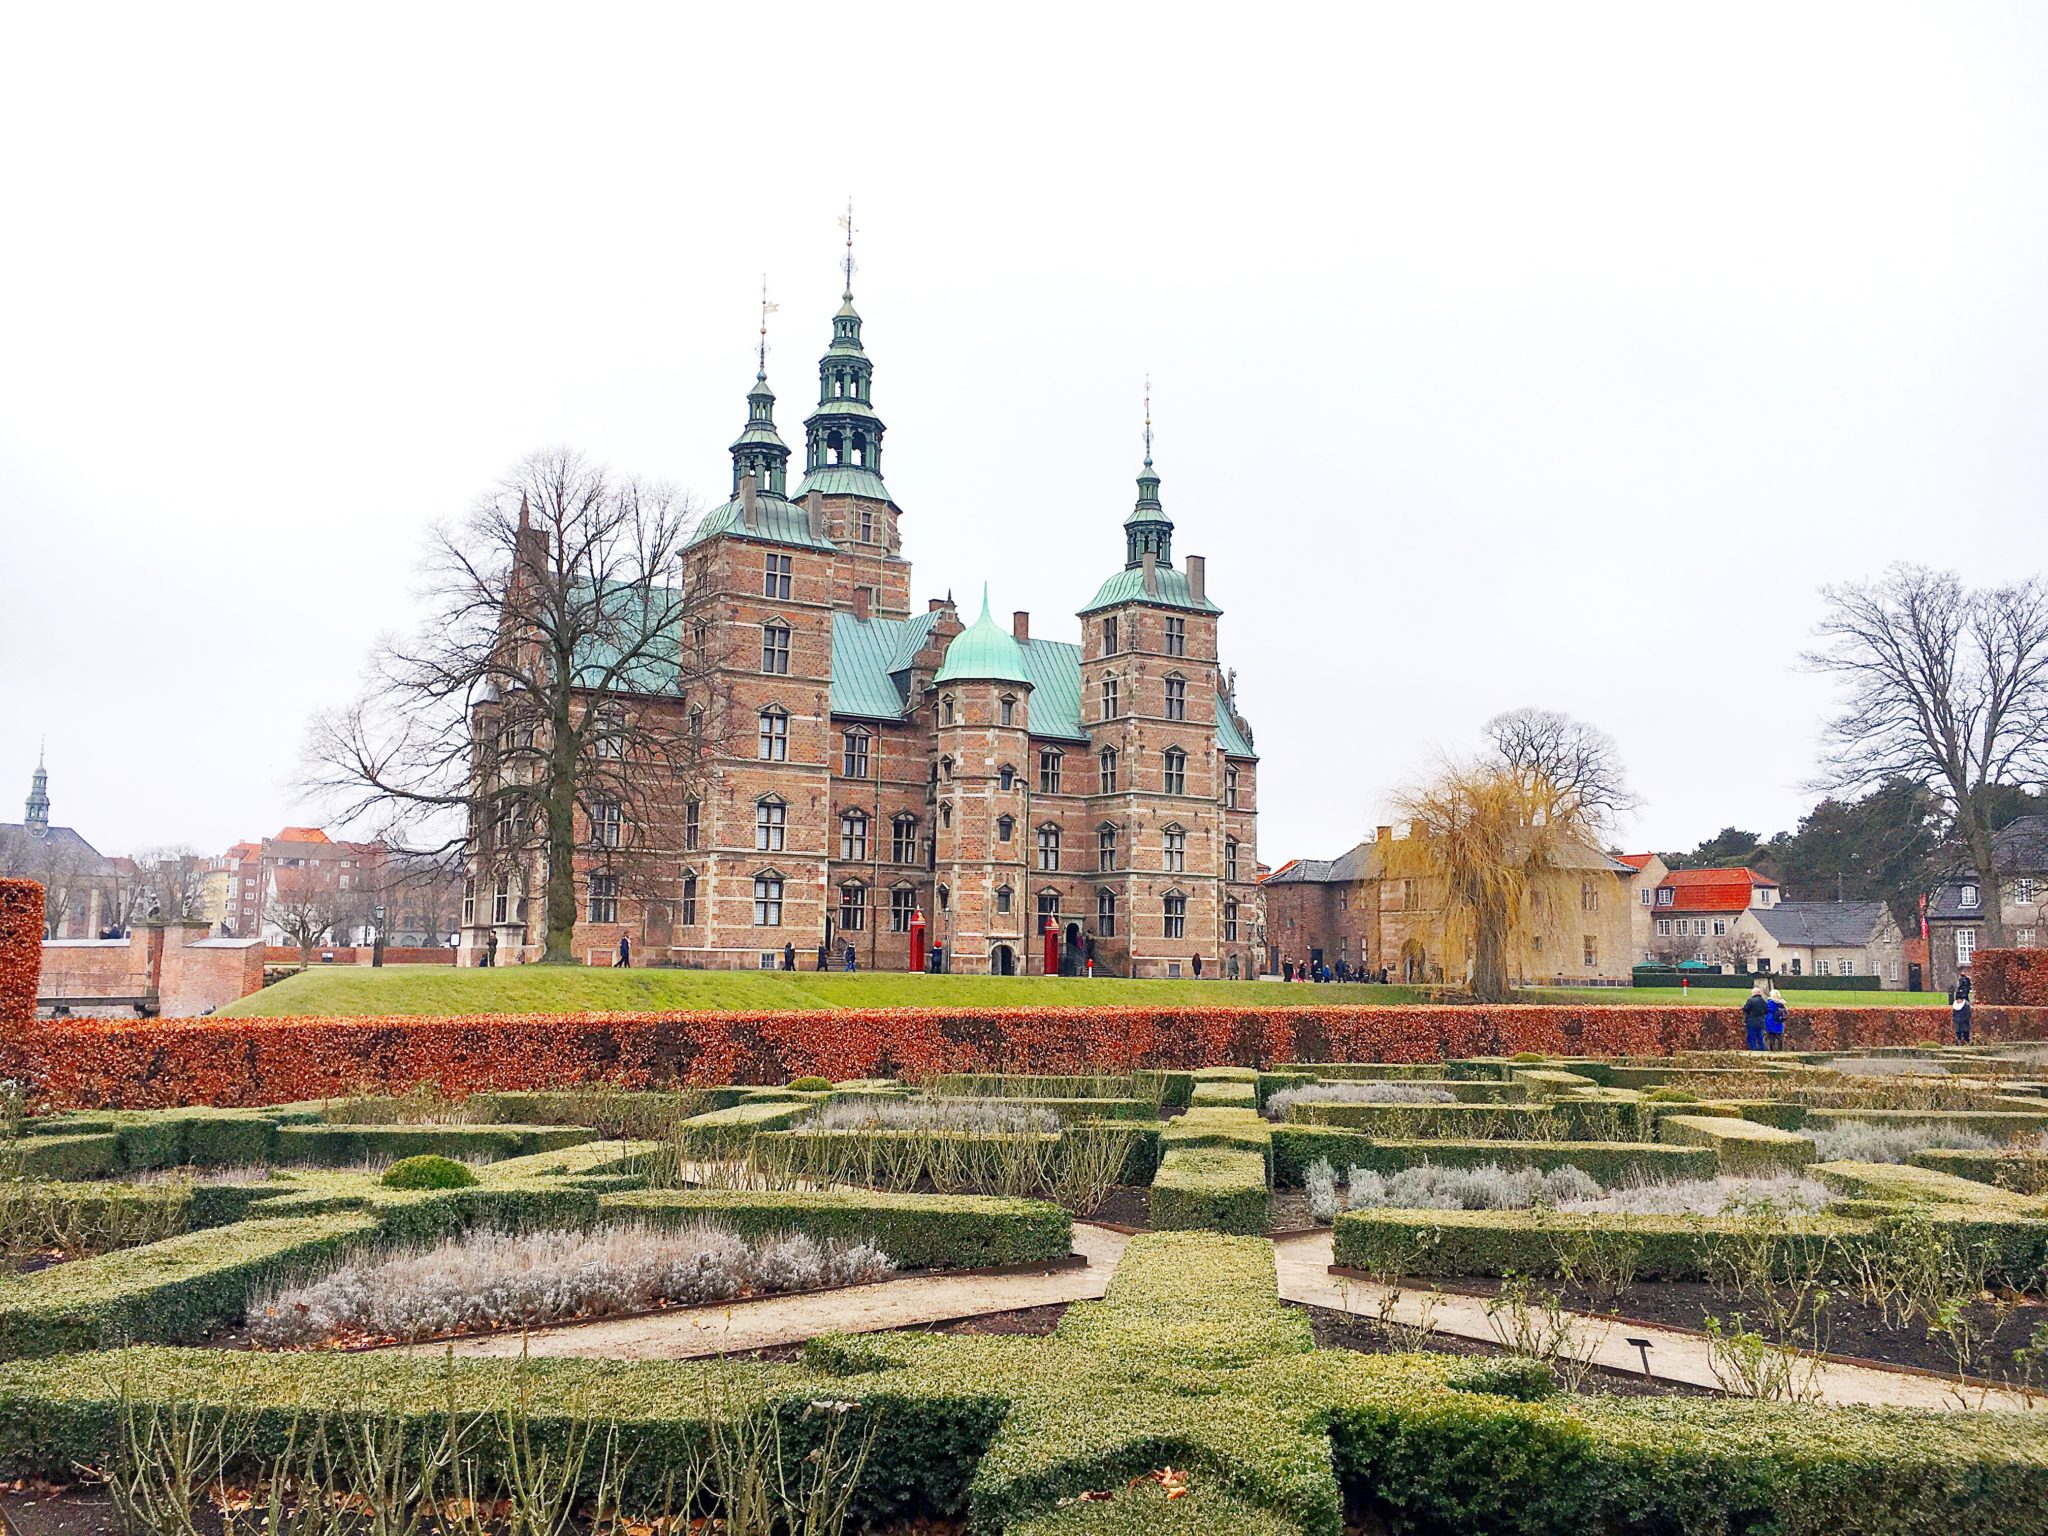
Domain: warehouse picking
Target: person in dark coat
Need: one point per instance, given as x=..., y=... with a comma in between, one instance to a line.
x=1754, y=1007
x=1198, y=967
x=789, y=957
x=1959, y=1009
x=852, y=958
x=1774, y=1019
x=625, y=949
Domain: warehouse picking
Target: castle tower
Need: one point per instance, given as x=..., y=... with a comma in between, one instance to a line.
x=38, y=817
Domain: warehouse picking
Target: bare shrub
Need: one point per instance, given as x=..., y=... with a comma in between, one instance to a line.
x=1888, y=1066
x=974, y=1116
x=1866, y=1141
x=1488, y=1187
x=1355, y=1093
x=492, y=1279
x=1706, y=1197
x=1319, y=1178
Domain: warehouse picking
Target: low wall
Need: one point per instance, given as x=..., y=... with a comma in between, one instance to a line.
x=172, y=968
x=208, y=974
x=272, y=1061
x=350, y=954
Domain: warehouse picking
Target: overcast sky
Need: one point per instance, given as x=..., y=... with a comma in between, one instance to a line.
x=1508, y=355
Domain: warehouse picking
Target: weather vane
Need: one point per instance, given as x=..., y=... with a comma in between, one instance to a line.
x=846, y=224
x=767, y=309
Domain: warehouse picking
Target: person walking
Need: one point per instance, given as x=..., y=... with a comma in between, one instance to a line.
x=1774, y=1018
x=1959, y=1009
x=1198, y=967
x=625, y=949
x=789, y=956
x=852, y=958
x=1754, y=1007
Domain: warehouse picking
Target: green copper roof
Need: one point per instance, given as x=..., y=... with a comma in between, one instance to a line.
x=1054, y=667
x=984, y=652
x=646, y=621
x=1128, y=586
x=1228, y=736
x=843, y=480
x=775, y=522
x=845, y=405
x=864, y=672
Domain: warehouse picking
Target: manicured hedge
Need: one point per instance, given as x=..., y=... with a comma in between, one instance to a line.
x=2003, y=1125
x=1561, y=1118
x=1020, y=1085
x=1241, y=1128
x=2025, y=1173
x=1218, y=1189
x=21, y=952
x=1742, y=1147
x=729, y=1130
x=61, y=1157
x=330, y=1146
x=1225, y=1096
x=917, y=1231
x=1169, y=1090
x=1610, y=1162
x=164, y=1292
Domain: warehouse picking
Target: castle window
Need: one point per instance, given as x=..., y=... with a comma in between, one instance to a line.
x=902, y=902
x=1109, y=635
x=1176, y=698
x=945, y=768
x=1105, y=849
x=945, y=815
x=693, y=823
x=1176, y=915
x=867, y=525
x=1048, y=907
x=1005, y=825
x=689, y=896
x=903, y=840
x=501, y=900
x=774, y=744
x=946, y=710
x=604, y=898
x=1107, y=758
x=1110, y=701
x=1006, y=778
x=1230, y=922
x=1230, y=858
x=611, y=733
x=853, y=907
x=1176, y=637
x=1230, y=786
x=1003, y=899
x=854, y=754
x=1176, y=771
x=768, y=901
x=775, y=649
x=607, y=824
x=1009, y=710
x=945, y=899
x=1049, y=848
x=775, y=576
x=469, y=903
x=771, y=818
x=1176, y=850
x=853, y=836
x=1049, y=773
x=1105, y=913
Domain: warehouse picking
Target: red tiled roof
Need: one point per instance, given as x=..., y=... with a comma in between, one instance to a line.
x=1710, y=890
x=1635, y=861
x=301, y=835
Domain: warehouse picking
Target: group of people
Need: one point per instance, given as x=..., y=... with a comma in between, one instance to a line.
x=1763, y=1017
x=1318, y=971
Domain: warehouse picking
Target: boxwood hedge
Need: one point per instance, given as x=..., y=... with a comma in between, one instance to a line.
x=1220, y=1189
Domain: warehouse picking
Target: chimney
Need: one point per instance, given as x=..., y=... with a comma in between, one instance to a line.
x=1020, y=625
x=1151, y=572
x=1198, y=576
x=860, y=602
x=1383, y=834
x=936, y=605
x=747, y=506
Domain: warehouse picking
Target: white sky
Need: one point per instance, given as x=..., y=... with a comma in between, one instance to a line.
x=1503, y=355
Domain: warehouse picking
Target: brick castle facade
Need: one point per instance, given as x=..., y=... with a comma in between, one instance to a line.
x=898, y=770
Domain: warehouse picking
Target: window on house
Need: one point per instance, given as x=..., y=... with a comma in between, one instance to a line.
x=607, y=824
x=1007, y=778
x=604, y=898
x=1966, y=945
x=693, y=823
x=1002, y=898
x=1107, y=758
x=853, y=754
x=767, y=901
x=1049, y=848
x=1008, y=710
x=1176, y=916
x=1645, y=895
x=1969, y=897
x=1109, y=635
x=2026, y=938
x=1699, y=927
x=853, y=837
x=902, y=903
x=1230, y=859
x=775, y=648
x=1820, y=968
x=1663, y=927
x=774, y=743
x=1230, y=787
x=1105, y=849
x=1049, y=773
x=1005, y=825
x=867, y=525
x=611, y=734
x=1105, y=914
x=1592, y=951
x=469, y=903
x=501, y=900
x=1110, y=703
x=1048, y=907
x=1176, y=637
x=1720, y=927
x=689, y=896
x=1230, y=926
x=1176, y=771
x=1176, y=845
x=945, y=899
x=775, y=576
x=1176, y=698
x=853, y=907
x=903, y=840
x=946, y=710
x=700, y=640
x=1589, y=897
x=770, y=821
x=1665, y=896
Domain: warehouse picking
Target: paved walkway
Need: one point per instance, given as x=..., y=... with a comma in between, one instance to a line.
x=1304, y=1264
x=915, y=1301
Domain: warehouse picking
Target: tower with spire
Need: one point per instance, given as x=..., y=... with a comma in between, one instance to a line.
x=37, y=821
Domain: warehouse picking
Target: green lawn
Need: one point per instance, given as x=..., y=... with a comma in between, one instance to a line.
x=1729, y=997
x=441, y=990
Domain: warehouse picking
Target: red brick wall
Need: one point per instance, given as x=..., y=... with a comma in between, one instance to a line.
x=206, y=974
x=96, y=967
x=349, y=954
x=21, y=938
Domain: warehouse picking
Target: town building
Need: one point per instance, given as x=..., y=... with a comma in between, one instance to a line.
x=84, y=891
x=1694, y=916
x=909, y=778
x=1349, y=914
x=1956, y=905
x=1828, y=938
x=1650, y=871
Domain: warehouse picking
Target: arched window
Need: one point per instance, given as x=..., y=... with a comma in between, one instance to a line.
x=1105, y=913
x=945, y=899
x=853, y=907
x=945, y=768
x=1176, y=847
x=771, y=819
x=945, y=815
x=1006, y=777
x=775, y=647
x=1176, y=777
x=774, y=742
x=903, y=840
x=768, y=900
x=853, y=836
x=1108, y=760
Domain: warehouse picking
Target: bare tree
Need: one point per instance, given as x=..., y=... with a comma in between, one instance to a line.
x=1945, y=685
x=1674, y=948
x=556, y=677
x=1737, y=947
x=68, y=871
x=170, y=882
x=1576, y=766
x=304, y=907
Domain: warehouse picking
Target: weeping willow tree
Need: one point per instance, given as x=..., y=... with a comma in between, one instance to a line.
x=1492, y=844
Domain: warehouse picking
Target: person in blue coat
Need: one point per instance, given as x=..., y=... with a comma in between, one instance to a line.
x=1754, y=1007
x=1774, y=1018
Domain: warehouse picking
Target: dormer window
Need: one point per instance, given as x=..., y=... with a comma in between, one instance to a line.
x=1969, y=897
x=1665, y=895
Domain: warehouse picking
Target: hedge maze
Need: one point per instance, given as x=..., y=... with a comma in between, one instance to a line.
x=139, y=1239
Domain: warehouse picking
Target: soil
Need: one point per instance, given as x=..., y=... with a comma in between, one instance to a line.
x=1125, y=1206
x=1851, y=1329
x=1290, y=1211
x=1345, y=1330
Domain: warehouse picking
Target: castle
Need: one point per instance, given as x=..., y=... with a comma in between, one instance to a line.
x=909, y=781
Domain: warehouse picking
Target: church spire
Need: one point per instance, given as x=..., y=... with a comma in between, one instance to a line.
x=1148, y=529
x=759, y=449
x=843, y=436
x=38, y=819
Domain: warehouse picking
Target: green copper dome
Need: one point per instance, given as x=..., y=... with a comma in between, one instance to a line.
x=984, y=652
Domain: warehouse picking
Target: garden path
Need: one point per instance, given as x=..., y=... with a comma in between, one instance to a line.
x=915, y=1301
x=1303, y=1263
